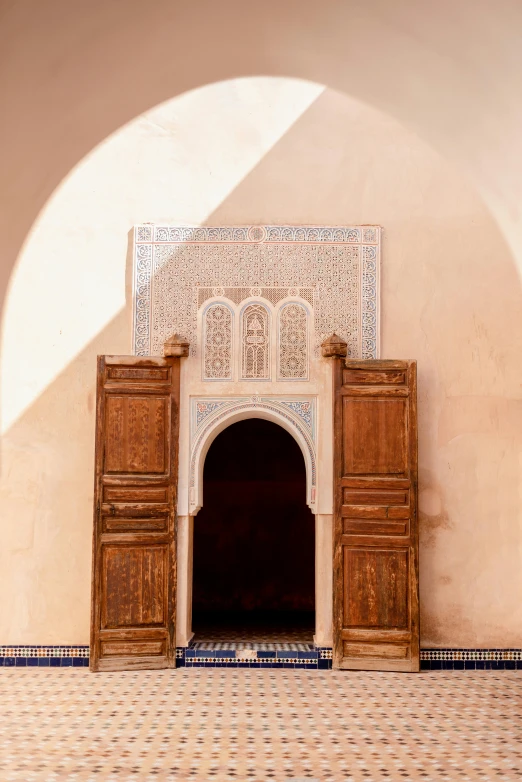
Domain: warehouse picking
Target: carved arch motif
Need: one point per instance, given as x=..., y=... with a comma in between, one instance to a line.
x=255, y=342
x=209, y=416
x=217, y=342
x=292, y=343
x=255, y=338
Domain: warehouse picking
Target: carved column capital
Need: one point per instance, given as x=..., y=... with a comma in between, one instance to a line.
x=334, y=347
x=176, y=346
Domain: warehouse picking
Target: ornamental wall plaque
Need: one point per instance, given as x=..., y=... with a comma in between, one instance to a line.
x=177, y=268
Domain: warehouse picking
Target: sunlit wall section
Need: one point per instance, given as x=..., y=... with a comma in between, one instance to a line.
x=269, y=151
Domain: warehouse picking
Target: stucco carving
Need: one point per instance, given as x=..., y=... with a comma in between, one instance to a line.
x=209, y=416
x=292, y=358
x=217, y=349
x=255, y=343
x=249, y=342
x=177, y=268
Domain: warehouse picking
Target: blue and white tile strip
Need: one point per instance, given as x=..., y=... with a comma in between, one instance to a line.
x=45, y=656
x=317, y=658
x=471, y=659
x=313, y=658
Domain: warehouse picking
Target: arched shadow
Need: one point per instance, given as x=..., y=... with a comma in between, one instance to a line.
x=460, y=317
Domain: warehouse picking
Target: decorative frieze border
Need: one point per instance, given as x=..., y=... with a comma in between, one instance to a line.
x=45, y=656
x=254, y=234
x=319, y=658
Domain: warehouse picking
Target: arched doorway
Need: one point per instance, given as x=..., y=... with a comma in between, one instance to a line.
x=254, y=539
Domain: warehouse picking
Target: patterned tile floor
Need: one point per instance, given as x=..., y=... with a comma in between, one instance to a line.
x=273, y=646
x=209, y=724
x=216, y=633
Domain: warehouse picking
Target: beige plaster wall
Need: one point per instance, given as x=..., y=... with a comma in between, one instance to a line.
x=269, y=151
x=72, y=72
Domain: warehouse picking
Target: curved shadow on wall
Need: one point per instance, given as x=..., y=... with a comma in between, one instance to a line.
x=48, y=452
x=408, y=62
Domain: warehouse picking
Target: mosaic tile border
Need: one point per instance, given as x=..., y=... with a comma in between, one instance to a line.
x=471, y=659
x=260, y=646
x=313, y=658
x=45, y=656
x=316, y=658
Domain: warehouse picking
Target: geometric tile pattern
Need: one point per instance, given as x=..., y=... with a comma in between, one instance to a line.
x=44, y=656
x=471, y=654
x=431, y=659
x=471, y=659
x=44, y=651
x=270, y=657
x=259, y=725
x=293, y=629
x=266, y=646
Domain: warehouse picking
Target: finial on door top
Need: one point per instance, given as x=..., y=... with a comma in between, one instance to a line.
x=334, y=346
x=176, y=346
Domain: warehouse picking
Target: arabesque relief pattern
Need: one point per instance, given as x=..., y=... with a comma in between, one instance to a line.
x=293, y=342
x=217, y=353
x=176, y=266
x=255, y=343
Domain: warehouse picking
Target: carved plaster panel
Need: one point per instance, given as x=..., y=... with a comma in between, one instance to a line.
x=336, y=269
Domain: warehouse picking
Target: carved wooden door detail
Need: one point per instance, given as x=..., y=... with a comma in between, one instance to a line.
x=134, y=564
x=376, y=605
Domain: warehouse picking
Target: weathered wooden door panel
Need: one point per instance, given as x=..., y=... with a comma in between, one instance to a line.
x=376, y=607
x=133, y=585
x=374, y=433
x=136, y=434
x=134, y=566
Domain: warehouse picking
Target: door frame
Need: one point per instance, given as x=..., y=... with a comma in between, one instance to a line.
x=323, y=527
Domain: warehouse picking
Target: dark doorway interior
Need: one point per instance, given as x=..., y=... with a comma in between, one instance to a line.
x=254, y=539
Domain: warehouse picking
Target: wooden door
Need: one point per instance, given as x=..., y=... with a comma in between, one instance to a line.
x=134, y=545
x=376, y=604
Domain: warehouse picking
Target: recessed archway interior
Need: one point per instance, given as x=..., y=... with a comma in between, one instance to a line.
x=254, y=539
